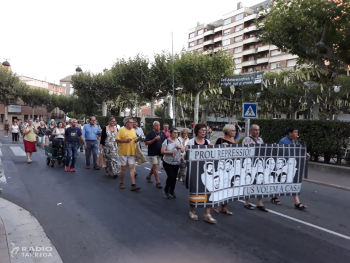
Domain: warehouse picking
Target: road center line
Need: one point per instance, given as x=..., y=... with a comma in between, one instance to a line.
x=306, y=223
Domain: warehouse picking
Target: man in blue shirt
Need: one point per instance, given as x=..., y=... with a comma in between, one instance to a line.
x=291, y=139
x=73, y=134
x=91, y=134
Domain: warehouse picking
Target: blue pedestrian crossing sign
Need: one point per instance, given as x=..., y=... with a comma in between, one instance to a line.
x=250, y=110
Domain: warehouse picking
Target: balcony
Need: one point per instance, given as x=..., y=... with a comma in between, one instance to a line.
x=250, y=40
x=248, y=63
x=263, y=48
x=251, y=17
x=217, y=39
x=209, y=32
x=219, y=28
x=209, y=42
x=251, y=28
x=249, y=51
x=217, y=49
x=262, y=60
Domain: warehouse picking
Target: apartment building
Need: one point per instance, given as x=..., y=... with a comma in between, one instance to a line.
x=237, y=33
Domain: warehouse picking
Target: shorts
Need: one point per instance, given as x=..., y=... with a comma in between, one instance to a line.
x=155, y=159
x=124, y=159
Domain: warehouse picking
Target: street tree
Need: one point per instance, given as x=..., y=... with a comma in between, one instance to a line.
x=150, y=80
x=10, y=88
x=316, y=30
x=35, y=97
x=197, y=72
x=96, y=89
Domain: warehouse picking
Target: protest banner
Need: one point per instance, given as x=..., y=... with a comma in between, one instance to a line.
x=219, y=174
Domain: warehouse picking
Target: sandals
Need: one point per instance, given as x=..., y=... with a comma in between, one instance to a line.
x=226, y=212
x=121, y=186
x=149, y=179
x=208, y=218
x=262, y=208
x=300, y=206
x=193, y=216
x=249, y=206
x=159, y=185
x=275, y=201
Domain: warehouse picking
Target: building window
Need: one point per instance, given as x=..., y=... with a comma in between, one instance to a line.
x=239, y=39
x=192, y=35
x=275, y=65
x=275, y=53
x=237, y=71
x=238, y=50
x=227, y=52
x=226, y=42
x=238, y=60
x=227, y=32
x=239, y=28
x=200, y=32
x=227, y=21
x=239, y=17
x=291, y=63
x=191, y=44
x=199, y=41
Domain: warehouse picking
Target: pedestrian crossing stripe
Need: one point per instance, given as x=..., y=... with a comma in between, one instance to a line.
x=250, y=112
x=17, y=151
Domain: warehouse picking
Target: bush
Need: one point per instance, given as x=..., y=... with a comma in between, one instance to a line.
x=325, y=138
x=162, y=121
x=103, y=120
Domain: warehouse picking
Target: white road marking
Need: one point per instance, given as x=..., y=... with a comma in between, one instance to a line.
x=150, y=169
x=0, y=152
x=17, y=151
x=0, y=161
x=2, y=177
x=306, y=223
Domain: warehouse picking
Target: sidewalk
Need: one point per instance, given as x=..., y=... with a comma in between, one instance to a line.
x=22, y=239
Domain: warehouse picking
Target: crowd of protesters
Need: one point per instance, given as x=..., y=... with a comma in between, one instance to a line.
x=118, y=145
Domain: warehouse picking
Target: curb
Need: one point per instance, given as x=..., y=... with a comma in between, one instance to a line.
x=327, y=184
x=26, y=239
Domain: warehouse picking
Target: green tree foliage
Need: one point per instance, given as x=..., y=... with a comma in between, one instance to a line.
x=197, y=72
x=150, y=80
x=96, y=89
x=36, y=97
x=315, y=30
x=10, y=87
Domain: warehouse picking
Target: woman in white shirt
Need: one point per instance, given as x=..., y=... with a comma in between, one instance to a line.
x=184, y=137
x=59, y=132
x=15, y=131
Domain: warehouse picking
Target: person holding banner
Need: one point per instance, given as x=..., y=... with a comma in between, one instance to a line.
x=291, y=139
x=172, y=150
x=254, y=138
x=229, y=133
x=200, y=131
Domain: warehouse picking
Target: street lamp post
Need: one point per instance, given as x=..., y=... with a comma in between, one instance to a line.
x=309, y=84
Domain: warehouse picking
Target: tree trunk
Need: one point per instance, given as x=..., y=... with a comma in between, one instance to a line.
x=33, y=113
x=152, y=106
x=316, y=111
x=104, y=108
x=196, y=107
x=204, y=115
x=6, y=111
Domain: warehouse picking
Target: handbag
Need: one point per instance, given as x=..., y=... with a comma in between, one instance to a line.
x=140, y=158
x=101, y=161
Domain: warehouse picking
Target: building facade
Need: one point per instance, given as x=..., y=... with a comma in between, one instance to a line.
x=237, y=33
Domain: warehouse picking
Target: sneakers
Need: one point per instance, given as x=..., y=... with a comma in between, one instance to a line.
x=173, y=195
x=72, y=169
x=166, y=195
x=135, y=188
x=66, y=169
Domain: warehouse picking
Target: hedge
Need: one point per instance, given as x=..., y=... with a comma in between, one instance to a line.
x=325, y=138
x=162, y=121
x=103, y=120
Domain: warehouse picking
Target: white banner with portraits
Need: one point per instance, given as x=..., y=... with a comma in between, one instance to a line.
x=219, y=174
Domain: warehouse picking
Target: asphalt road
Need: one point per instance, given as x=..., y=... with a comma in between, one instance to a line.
x=98, y=222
